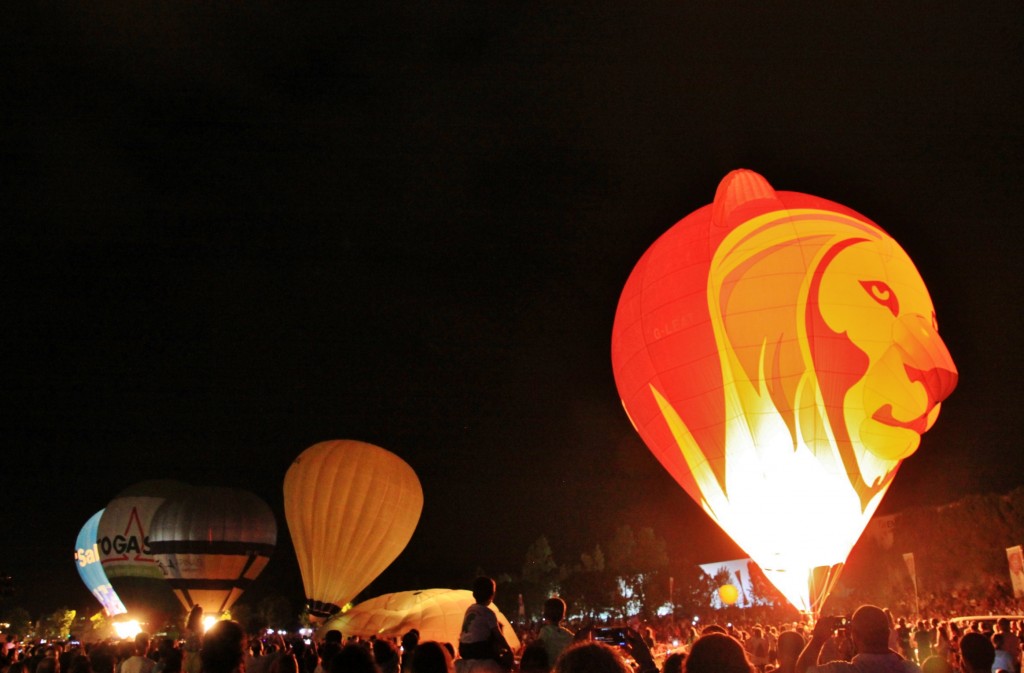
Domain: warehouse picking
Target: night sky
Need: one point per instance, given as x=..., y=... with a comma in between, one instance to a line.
x=232, y=230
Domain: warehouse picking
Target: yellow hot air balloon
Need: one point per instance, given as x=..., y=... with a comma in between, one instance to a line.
x=351, y=509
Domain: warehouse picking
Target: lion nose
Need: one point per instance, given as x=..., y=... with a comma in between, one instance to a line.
x=927, y=358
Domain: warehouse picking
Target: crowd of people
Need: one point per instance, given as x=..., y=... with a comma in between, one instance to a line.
x=871, y=640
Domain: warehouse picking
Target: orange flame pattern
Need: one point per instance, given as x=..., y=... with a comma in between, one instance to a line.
x=779, y=355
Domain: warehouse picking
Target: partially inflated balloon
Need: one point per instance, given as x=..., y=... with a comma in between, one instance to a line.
x=211, y=543
x=779, y=354
x=351, y=509
x=436, y=613
x=87, y=560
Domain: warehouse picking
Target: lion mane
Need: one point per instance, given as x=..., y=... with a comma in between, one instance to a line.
x=783, y=348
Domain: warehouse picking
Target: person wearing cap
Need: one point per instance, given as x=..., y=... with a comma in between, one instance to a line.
x=869, y=628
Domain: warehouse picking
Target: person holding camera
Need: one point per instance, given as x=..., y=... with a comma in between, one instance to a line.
x=869, y=628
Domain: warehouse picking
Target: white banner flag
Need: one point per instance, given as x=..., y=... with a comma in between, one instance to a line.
x=1016, y=561
x=908, y=558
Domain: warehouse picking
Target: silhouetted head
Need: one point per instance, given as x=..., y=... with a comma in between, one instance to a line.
x=870, y=629
x=592, y=657
x=674, y=663
x=483, y=589
x=410, y=640
x=142, y=643
x=432, y=657
x=385, y=654
x=327, y=653
x=223, y=647
x=717, y=653
x=354, y=658
x=554, y=610
x=977, y=652
x=791, y=644
x=534, y=659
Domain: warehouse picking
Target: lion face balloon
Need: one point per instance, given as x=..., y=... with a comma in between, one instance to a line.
x=779, y=354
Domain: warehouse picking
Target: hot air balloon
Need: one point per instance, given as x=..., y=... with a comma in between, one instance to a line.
x=436, y=613
x=90, y=568
x=211, y=543
x=351, y=509
x=728, y=594
x=779, y=354
x=123, y=538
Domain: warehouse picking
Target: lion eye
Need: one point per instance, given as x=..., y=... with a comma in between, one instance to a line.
x=882, y=293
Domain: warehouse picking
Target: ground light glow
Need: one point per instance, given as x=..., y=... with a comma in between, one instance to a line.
x=128, y=629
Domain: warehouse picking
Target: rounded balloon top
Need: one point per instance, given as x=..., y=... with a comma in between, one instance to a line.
x=351, y=508
x=779, y=354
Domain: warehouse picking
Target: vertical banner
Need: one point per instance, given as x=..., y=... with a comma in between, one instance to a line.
x=743, y=588
x=908, y=558
x=1016, y=561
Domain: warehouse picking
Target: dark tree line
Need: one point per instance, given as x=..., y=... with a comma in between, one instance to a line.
x=958, y=548
x=628, y=573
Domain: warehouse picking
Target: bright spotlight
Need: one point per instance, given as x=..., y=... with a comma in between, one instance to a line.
x=127, y=630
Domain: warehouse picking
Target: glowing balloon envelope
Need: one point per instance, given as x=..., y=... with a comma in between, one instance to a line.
x=779, y=354
x=436, y=613
x=90, y=568
x=123, y=538
x=351, y=509
x=211, y=543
